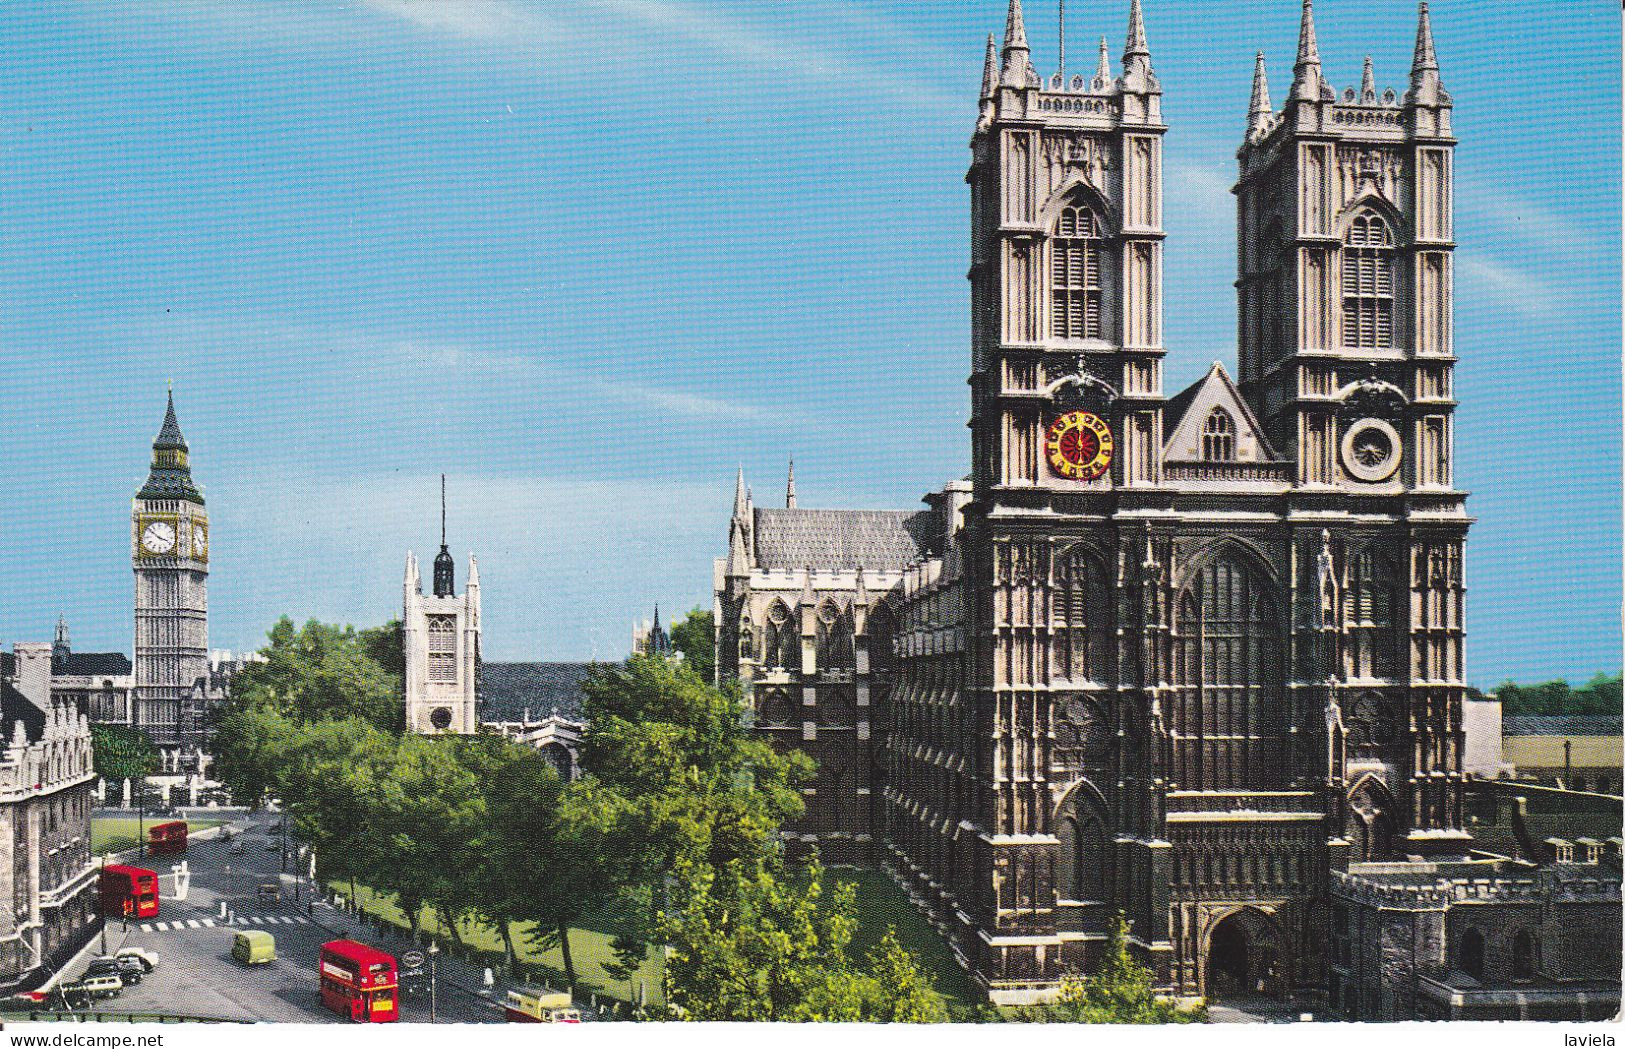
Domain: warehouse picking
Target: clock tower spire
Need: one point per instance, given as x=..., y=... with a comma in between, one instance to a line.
x=169, y=551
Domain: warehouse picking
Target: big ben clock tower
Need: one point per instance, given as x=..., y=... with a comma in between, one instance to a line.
x=169, y=549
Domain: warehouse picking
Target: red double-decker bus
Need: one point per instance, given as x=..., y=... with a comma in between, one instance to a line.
x=359, y=982
x=129, y=892
x=165, y=838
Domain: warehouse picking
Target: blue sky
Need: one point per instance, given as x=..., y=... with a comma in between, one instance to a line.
x=586, y=256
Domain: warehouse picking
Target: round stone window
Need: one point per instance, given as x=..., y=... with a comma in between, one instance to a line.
x=1371, y=450
x=440, y=718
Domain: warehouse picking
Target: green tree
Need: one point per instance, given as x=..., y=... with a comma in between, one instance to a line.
x=695, y=637
x=321, y=672
x=746, y=943
x=122, y=752
x=1600, y=695
x=1120, y=992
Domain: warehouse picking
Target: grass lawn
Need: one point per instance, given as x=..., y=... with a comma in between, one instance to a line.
x=589, y=948
x=117, y=833
x=880, y=903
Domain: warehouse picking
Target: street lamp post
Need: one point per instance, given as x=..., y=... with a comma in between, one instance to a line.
x=434, y=949
x=103, y=881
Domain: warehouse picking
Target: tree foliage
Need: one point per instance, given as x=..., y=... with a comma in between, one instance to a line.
x=671, y=833
x=122, y=752
x=695, y=637
x=1121, y=992
x=747, y=943
x=1600, y=695
x=321, y=672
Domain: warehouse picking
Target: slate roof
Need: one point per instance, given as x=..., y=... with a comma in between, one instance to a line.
x=789, y=540
x=505, y=691
x=91, y=664
x=1561, y=725
x=15, y=707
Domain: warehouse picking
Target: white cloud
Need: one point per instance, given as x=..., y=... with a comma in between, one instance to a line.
x=1512, y=288
x=471, y=19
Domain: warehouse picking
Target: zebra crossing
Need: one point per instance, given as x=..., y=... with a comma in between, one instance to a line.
x=211, y=923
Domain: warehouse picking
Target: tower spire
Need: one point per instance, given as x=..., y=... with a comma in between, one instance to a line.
x=1259, y=113
x=990, y=68
x=1307, y=78
x=1103, y=68
x=171, y=474
x=790, y=488
x=739, y=493
x=1060, y=33
x=1018, y=63
x=445, y=569
x=1136, y=54
x=1368, y=83
x=1425, y=85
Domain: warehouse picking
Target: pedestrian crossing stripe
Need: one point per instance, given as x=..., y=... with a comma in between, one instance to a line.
x=210, y=923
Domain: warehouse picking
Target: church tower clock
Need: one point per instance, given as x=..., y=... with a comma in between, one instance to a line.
x=169, y=550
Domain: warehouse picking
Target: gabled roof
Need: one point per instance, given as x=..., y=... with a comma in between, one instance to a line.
x=1187, y=412
x=790, y=540
x=506, y=691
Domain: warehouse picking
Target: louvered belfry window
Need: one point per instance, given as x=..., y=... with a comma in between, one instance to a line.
x=1075, y=275
x=442, y=648
x=1368, y=285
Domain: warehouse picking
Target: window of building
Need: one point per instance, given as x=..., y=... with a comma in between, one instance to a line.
x=1523, y=955
x=1219, y=437
x=1368, y=284
x=783, y=641
x=1470, y=954
x=1075, y=305
x=442, y=648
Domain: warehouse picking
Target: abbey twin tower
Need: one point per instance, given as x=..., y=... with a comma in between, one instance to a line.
x=1187, y=658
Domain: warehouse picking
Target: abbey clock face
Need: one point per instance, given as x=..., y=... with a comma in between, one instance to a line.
x=1079, y=446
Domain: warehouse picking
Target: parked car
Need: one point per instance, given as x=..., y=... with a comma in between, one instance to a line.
x=128, y=970
x=105, y=985
x=270, y=890
x=148, y=959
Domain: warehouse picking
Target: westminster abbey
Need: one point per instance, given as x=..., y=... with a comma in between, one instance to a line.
x=1196, y=659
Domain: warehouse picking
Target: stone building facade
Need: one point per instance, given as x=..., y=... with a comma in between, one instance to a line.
x=48, y=889
x=1486, y=939
x=805, y=623
x=1177, y=657
x=440, y=634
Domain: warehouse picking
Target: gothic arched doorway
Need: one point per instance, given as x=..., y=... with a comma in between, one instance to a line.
x=1244, y=958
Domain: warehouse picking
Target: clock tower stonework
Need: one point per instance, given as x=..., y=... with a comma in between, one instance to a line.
x=169, y=551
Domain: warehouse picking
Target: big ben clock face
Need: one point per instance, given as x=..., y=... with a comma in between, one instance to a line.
x=200, y=541
x=1079, y=446
x=158, y=537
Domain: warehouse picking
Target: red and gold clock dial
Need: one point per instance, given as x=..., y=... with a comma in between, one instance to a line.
x=1080, y=446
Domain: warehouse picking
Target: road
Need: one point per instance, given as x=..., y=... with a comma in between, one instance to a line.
x=197, y=975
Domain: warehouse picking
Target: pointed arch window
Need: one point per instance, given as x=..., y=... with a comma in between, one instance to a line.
x=834, y=638
x=1083, y=615
x=1226, y=717
x=1219, y=437
x=783, y=640
x=1368, y=284
x=1076, y=262
x=1372, y=650
x=1523, y=955
x=1470, y=956
x=1084, y=852
x=442, y=648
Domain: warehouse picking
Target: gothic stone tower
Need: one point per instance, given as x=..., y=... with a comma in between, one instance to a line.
x=1345, y=240
x=169, y=550
x=441, y=640
x=1188, y=655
